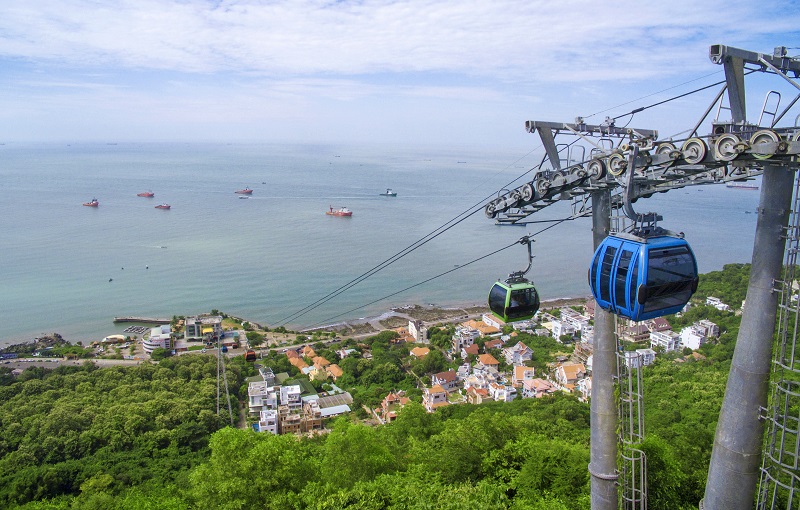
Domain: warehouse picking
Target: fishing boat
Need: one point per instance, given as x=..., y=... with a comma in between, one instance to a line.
x=163, y=206
x=741, y=186
x=92, y=203
x=246, y=191
x=389, y=193
x=146, y=194
x=342, y=211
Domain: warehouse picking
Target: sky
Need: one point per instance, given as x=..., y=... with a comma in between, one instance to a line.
x=466, y=72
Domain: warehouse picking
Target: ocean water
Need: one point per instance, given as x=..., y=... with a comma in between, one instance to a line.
x=70, y=269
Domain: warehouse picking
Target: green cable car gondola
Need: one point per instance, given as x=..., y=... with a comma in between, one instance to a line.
x=516, y=298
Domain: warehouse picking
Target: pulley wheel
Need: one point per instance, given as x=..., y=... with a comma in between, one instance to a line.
x=559, y=179
x=526, y=191
x=665, y=148
x=596, y=169
x=725, y=147
x=694, y=150
x=762, y=136
x=490, y=210
x=542, y=185
x=617, y=164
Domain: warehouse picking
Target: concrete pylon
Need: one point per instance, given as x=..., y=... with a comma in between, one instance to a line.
x=734, y=469
x=603, y=408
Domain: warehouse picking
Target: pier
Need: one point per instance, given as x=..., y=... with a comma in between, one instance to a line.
x=146, y=320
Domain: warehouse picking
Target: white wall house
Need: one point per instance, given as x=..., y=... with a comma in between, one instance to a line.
x=160, y=338
x=668, y=340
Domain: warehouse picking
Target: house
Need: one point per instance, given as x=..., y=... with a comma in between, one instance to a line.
x=320, y=362
x=491, y=320
x=560, y=328
x=420, y=352
x=481, y=327
x=518, y=354
x=718, y=304
x=403, y=336
x=584, y=388
x=308, y=352
x=692, y=337
x=447, y=380
x=343, y=353
x=502, y=393
x=298, y=363
x=639, y=358
x=495, y=343
x=311, y=419
x=472, y=350
x=636, y=333
x=520, y=374
x=261, y=396
x=290, y=397
x=574, y=319
x=658, y=324
x=434, y=398
x=587, y=334
x=667, y=340
x=570, y=373
x=588, y=308
x=268, y=421
x=464, y=337
x=487, y=360
x=418, y=331
x=476, y=395
x=392, y=403
x=537, y=388
x=334, y=371
x=711, y=329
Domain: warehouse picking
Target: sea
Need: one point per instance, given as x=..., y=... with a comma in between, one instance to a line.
x=276, y=258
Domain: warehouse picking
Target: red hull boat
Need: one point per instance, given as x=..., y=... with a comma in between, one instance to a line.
x=342, y=211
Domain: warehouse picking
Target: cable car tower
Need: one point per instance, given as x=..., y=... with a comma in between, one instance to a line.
x=606, y=168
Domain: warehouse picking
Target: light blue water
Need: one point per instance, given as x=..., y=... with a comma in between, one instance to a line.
x=269, y=256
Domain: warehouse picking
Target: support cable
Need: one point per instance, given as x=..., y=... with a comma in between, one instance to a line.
x=321, y=323
x=397, y=256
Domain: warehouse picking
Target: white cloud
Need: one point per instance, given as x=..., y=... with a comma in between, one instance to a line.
x=426, y=64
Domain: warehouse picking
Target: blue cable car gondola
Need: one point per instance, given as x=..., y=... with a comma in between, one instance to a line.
x=515, y=299
x=643, y=278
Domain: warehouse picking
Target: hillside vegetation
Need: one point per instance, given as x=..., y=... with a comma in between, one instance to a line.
x=149, y=437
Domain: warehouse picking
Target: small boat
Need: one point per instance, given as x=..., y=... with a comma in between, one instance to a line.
x=146, y=194
x=246, y=191
x=342, y=211
x=389, y=193
x=243, y=198
x=163, y=206
x=92, y=203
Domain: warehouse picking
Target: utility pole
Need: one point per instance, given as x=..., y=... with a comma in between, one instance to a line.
x=603, y=410
x=735, y=459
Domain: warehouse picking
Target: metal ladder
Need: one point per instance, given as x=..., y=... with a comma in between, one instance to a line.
x=779, y=484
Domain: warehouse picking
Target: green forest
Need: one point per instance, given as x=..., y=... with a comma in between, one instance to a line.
x=149, y=437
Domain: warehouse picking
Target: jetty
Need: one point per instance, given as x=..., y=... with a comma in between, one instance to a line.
x=146, y=320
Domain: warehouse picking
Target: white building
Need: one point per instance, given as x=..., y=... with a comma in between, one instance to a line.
x=290, y=397
x=418, y=331
x=203, y=327
x=160, y=338
x=559, y=328
x=639, y=358
x=464, y=337
x=268, y=421
x=577, y=320
x=668, y=340
x=493, y=321
x=693, y=337
x=587, y=334
x=261, y=396
x=717, y=303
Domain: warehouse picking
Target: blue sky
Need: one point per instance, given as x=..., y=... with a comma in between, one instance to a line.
x=443, y=72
